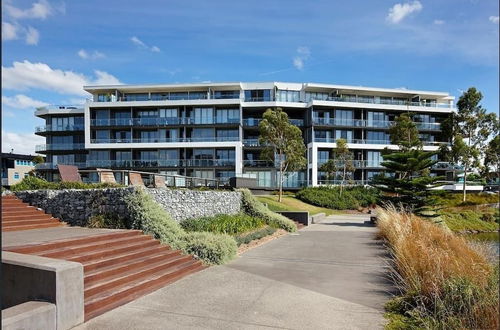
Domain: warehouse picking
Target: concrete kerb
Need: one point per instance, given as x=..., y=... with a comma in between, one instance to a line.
x=317, y=218
x=33, y=278
x=30, y=315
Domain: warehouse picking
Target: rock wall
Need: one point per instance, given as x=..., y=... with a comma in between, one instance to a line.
x=76, y=206
x=188, y=204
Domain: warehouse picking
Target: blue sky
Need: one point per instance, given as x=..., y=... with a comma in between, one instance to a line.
x=51, y=48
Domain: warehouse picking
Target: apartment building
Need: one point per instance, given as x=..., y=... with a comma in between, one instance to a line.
x=15, y=167
x=210, y=130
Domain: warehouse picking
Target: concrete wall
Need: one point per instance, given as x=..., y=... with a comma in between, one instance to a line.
x=51, y=280
x=76, y=206
x=31, y=315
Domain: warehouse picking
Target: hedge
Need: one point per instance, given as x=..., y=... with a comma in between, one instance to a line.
x=253, y=207
x=33, y=183
x=329, y=196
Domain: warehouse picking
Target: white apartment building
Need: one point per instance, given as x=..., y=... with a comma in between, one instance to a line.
x=210, y=130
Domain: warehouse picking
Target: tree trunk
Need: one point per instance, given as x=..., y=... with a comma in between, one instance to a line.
x=280, y=194
x=464, y=191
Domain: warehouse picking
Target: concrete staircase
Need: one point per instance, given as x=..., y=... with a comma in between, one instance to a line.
x=119, y=266
x=17, y=215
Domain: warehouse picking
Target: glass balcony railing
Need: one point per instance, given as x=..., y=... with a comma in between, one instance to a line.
x=251, y=143
x=346, y=182
x=58, y=128
x=254, y=122
x=365, y=141
x=258, y=163
x=258, y=99
x=171, y=140
x=62, y=146
x=142, y=163
x=447, y=166
x=162, y=121
x=53, y=166
x=360, y=99
x=355, y=163
x=370, y=123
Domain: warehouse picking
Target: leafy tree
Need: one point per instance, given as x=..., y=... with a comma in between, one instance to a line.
x=411, y=184
x=404, y=133
x=38, y=159
x=284, y=144
x=470, y=132
x=342, y=157
x=330, y=167
x=492, y=157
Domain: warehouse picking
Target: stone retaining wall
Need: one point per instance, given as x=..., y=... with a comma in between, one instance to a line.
x=76, y=206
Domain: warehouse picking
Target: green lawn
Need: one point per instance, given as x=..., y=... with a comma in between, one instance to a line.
x=464, y=220
x=290, y=203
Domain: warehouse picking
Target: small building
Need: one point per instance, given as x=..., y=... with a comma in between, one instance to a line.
x=15, y=167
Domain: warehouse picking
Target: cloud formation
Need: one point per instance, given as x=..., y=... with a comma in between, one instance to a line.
x=41, y=10
x=438, y=22
x=399, y=11
x=26, y=75
x=303, y=54
x=494, y=19
x=32, y=36
x=21, y=101
x=22, y=143
x=139, y=43
x=9, y=31
x=90, y=56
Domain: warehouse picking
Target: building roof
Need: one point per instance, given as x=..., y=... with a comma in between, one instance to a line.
x=7, y=155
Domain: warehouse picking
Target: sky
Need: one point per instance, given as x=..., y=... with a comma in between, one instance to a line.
x=51, y=48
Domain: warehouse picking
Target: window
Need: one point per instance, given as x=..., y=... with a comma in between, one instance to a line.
x=258, y=95
x=167, y=154
x=16, y=175
x=344, y=117
x=203, y=153
x=136, y=97
x=226, y=154
x=103, y=97
x=322, y=136
x=343, y=134
x=148, y=155
x=169, y=113
x=316, y=96
x=197, y=95
x=226, y=94
x=204, y=174
x=227, y=134
x=323, y=156
x=101, y=114
x=203, y=115
x=102, y=134
x=123, y=155
x=377, y=119
x=179, y=96
x=377, y=137
x=374, y=158
x=203, y=134
x=147, y=114
x=168, y=135
x=228, y=116
x=263, y=177
x=99, y=155
x=149, y=136
x=123, y=136
x=287, y=96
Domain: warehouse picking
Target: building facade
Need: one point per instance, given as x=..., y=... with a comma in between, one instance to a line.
x=210, y=130
x=15, y=167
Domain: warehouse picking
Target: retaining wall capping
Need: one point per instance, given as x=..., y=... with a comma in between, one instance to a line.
x=76, y=206
x=299, y=216
x=317, y=218
x=30, y=315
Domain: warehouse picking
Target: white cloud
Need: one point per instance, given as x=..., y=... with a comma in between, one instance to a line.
x=26, y=75
x=22, y=143
x=21, y=101
x=9, y=31
x=399, y=11
x=303, y=54
x=90, y=56
x=438, y=22
x=41, y=10
x=139, y=43
x=494, y=19
x=32, y=36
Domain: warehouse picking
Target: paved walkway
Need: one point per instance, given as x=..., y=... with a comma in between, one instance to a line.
x=330, y=276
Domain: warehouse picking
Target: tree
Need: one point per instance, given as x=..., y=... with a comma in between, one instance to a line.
x=343, y=158
x=492, y=157
x=470, y=132
x=404, y=133
x=411, y=184
x=284, y=144
x=38, y=159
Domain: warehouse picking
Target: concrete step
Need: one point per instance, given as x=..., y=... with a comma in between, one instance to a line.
x=118, y=296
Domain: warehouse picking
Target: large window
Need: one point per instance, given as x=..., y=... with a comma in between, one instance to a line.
x=66, y=123
x=203, y=115
x=147, y=114
x=343, y=134
x=102, y=134
x=263, y=177
x=377, y=119
x=168, y=154
x=203, y=153
x=287, y=96
x=228, y=116
x=258, y=95
x=377, y=137
x=101, y=114
x=149, y=136
x=227, y=134
x=226, y=94
x=323, y=156
x=344, y=117
x=136, y=97
x=203, y=134
x=169, y=113
x=123, y=136
x=322, y=136
x=227, y=154
x=374, y=158
x=316, y=96
x=148, y=155
x=170, y=135
x=99, y=155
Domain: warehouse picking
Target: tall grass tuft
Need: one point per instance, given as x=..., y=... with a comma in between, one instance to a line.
x=446, y=283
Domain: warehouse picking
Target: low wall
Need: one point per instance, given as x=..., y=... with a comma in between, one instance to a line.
x=76, y=206
x=30, y=315
x=299, y=216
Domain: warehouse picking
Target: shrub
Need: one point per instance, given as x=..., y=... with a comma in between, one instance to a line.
x=111, y=221
x=147, y=215
x=230, y=224
x=33, y=183
x=445, y=282
x=454, y=199
x=329, y=196
x=209, y=247
x=253, y=207
x=464, y=220
x=257, y=234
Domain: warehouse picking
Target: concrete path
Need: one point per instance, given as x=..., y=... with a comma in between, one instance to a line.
x=331, y=275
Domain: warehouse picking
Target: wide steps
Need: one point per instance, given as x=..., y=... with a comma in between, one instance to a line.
x=37, y=226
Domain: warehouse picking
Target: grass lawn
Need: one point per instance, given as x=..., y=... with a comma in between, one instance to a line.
x=290, y=203
x=464, y=220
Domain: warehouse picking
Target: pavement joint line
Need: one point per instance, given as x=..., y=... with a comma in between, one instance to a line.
x=340, y=263
x=209, y=317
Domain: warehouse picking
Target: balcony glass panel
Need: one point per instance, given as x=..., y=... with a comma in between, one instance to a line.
x=226, y=94
x=258, y=95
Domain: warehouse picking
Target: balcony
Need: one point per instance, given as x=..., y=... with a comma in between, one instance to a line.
x=173, y=96
x=447, y=166
x=160, y=122
x=356, y=163
x=361, y=99
x=62, y=146
x=254, y=122
x=258, y=163
x=139, y=163
x=171, y=140
x=370, y=123
x=53, y=166
x=57, y=128
x=252, y=143
x=364, y=141
x=258, y=99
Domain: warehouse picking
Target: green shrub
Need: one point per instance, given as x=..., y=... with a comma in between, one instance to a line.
x=257, y=234
x=329, y=196
x=256, y=209
x=110, y=220
x=466, y=220
x=455, y=199
x=148, y=216
x=33, y=183
x=230, y=224
x=212, y=248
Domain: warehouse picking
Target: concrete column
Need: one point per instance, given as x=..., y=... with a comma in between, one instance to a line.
x=314, y=164
x=238, y=155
